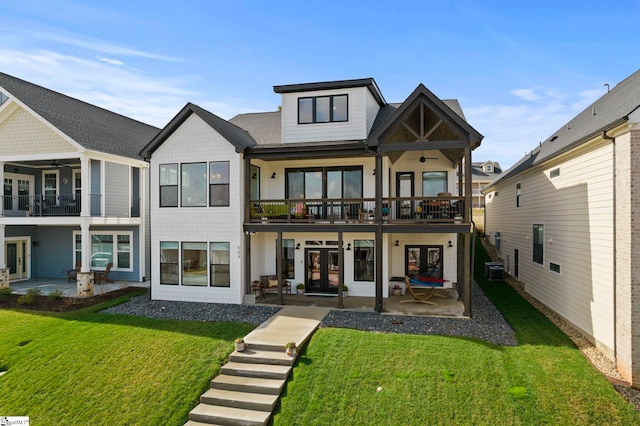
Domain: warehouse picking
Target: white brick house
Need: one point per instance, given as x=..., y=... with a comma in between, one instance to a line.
x=329, y=190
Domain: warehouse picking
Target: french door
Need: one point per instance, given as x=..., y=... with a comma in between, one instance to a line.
x=323, y=270
x=404, y=188
x=18, y=190
x=423, y=260
x=17, y=258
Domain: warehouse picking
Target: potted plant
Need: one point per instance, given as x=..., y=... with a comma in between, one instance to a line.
x=345, y=290
x=291, y=349
x=300, y=288
x=240, y=344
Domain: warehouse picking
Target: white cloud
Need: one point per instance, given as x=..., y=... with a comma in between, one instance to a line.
x=526, y=94
x=110, y=61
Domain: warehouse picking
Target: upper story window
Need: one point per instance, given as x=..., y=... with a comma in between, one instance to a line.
x=3, y=98
x=488, y=168
x=191, y=187
x=518, y=195
x=554, y=173
x=433, y=183
x=323, y=109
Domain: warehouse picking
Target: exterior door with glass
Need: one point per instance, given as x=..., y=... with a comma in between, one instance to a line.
x=323, y=270
x=423, y=260
x=16, y=259
x=404, y=188
x=18, y=190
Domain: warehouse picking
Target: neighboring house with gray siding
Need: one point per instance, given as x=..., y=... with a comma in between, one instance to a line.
x=565, y=222
x=74, y=186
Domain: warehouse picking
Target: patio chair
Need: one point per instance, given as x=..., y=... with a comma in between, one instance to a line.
x=103, y=276
x=72, y=274
x=430, y=285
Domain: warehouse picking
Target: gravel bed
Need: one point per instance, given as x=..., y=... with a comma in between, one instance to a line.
x=486, y=322
x=193, y=311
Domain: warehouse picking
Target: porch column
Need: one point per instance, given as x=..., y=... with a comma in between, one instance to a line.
x=467, y=184
x=85, y=190
x=340, y=271
x=86, y=247
x=468, y=279
x=279, y=270
x=378, y=238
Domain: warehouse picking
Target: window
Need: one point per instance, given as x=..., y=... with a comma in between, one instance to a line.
x=363, y=257
x=518, y=195
x=77, y=184
x=3, y=98
x=433, y=183
x=219, y=183
x=169, y=272
x=554, y=267
x=50, y=187
x=220, y=269
x=168, y=185
x=538, y=243
x=194, y=264
x=488, y=168
x=554, y=173
x=107, y=247
x=193, y=185
x=323, y=109
x=288, y=259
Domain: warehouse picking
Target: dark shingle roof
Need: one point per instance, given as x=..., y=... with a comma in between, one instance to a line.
x=369, y=83
x=238, y=137
x=609, y=111
x=264, y=127
x=92, y=127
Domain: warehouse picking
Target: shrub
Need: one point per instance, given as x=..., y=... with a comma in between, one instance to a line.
x=56, y=294
x=30, y=297
x=5, y=292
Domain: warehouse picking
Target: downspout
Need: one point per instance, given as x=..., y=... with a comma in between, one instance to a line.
x=615, y=252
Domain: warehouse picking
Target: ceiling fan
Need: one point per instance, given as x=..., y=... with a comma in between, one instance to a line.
x=57, y=165
x=423, y=159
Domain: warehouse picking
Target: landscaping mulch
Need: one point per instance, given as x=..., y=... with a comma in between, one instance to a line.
x=63, y=304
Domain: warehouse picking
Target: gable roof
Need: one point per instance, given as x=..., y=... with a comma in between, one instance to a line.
x=92, y=127
x=606, y=113
x=264, y=127
x=238, y=137
x=369, y=83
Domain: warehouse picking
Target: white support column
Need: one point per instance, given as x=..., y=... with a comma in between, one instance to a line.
x=142, y=206
x=2, y=198
x=85, y=192
x=86, y=247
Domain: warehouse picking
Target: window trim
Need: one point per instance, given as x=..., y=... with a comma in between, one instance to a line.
x=219, y=184
x=314, y=109
x=557, y=265
x=204, y=189
x=114, y=252
x=176, y=185
x=518, y=194
x=539, y=259
x=180, y=245
x=369, y=248
x=554, y=173
x=57, y=188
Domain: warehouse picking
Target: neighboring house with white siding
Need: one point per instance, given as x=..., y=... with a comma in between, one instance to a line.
x=330, y=190
x=564, y=220
x=482, y=172
x=74, y=186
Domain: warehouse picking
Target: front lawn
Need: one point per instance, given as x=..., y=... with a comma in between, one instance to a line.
x=86, y=368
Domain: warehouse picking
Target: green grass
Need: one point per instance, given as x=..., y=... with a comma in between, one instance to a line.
x=352, y=377
x=87, y=368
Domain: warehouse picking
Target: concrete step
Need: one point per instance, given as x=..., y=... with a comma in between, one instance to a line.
x=264, y=371
x=251, y=355
x=250, y=401
x=248, y=384
x=215, y=414
x=192, y=423
x=261, y=346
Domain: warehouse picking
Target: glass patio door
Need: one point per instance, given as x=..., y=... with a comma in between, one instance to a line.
x=323, y=270
x=404, y=188
x=424, y=261
x=17, y=194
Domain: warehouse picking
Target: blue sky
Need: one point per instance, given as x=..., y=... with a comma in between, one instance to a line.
x=519, y=69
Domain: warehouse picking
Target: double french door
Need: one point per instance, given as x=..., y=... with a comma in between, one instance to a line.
x=18, y=190
x=323, y=270
x=423, y=260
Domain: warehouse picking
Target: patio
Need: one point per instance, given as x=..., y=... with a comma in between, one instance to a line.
x=448, y=306
x=47, y=285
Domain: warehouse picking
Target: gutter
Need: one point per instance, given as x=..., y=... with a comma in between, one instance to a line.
x=615, y=249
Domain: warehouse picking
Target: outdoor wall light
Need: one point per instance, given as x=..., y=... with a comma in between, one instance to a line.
x=450, y=245
x=397, y=243
x=348, y=247
x=298, y=246
x=273, y=176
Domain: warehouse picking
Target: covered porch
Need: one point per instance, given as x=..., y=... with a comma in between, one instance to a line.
x=48, y=285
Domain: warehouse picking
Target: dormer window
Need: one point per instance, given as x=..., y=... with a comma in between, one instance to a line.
x=323, y=109
x=488, y=168
x=3, y=98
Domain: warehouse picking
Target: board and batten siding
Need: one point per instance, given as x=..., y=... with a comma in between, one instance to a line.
x=576, y=209
x=354, y=129
x=195, y=141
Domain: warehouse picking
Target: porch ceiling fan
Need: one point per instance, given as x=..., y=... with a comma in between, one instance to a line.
x=57, y=165
x=424, y=159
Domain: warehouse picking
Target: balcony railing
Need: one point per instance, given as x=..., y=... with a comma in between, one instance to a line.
x=327, y=210
x=58, y=205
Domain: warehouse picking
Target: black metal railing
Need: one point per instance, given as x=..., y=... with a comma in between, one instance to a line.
x=58, y=205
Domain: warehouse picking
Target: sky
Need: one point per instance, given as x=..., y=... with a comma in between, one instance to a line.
x=520, y=70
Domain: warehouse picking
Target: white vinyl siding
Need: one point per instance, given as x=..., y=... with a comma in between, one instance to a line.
x=577, y=211
x=353, y=129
